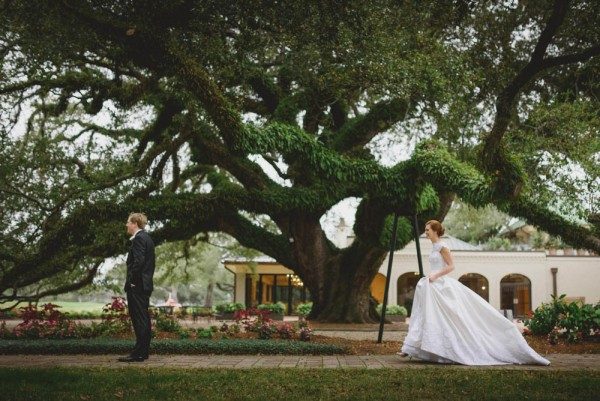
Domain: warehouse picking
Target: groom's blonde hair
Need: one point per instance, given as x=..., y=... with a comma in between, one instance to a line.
x=138, y=218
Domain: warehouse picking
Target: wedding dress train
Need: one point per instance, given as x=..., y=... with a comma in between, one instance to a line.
x=450, y=323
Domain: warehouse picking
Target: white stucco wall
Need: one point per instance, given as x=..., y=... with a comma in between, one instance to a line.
x=578, y=276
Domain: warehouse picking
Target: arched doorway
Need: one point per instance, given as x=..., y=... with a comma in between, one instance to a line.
x=407, y=283
x=515, y=294
x=477, y=283
x=378, y=287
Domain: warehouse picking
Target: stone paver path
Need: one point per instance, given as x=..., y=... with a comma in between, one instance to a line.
x=558, y=362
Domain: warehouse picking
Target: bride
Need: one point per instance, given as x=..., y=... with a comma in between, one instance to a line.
x=452, y=324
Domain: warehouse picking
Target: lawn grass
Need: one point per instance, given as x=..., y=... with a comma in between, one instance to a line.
x=78, y=307
x=68, y=306
x=66, y=384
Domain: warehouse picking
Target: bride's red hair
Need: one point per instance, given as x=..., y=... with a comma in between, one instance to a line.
x=436, y=226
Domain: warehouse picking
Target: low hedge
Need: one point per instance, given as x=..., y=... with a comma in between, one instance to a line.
x=167, y=346
x=83, y=315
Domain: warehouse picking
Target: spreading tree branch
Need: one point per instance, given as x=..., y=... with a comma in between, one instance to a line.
x=495, y=159
x=357, y=132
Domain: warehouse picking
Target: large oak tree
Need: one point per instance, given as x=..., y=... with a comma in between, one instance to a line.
x=174, y=108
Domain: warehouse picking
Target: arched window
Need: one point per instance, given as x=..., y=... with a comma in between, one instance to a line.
x=515, y=294
x=407, y=283
x=477, y=283
x=378, y=287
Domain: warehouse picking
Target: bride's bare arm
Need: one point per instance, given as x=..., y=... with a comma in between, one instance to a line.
x=447, y=256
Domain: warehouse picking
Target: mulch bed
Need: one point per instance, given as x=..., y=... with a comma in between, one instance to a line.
x=538, y=343
x=357, y=326
x=360, y=347
x=370, y=347
x=542, y=346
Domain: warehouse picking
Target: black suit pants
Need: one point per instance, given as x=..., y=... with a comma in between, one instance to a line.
x=138, y=304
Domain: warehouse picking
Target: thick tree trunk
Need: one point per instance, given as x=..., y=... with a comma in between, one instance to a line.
x=344, y=296
x=208, y=300
x=338, y=280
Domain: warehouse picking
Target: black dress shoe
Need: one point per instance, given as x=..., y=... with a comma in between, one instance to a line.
x=132, y=358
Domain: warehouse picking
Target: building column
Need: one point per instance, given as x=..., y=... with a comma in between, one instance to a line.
x=494, y=291
x=239, y=294
x=554, y=271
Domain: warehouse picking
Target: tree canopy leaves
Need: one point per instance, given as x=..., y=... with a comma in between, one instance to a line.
x=175, y=108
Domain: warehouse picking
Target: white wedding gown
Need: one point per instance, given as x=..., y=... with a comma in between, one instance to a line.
x=450, y=323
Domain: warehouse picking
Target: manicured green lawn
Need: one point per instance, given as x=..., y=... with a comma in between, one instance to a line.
x=79, y=307
x=295, y=384
x=70, y=306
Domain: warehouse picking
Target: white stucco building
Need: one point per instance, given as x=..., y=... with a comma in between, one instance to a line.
x=513, y=280
x=520, y=281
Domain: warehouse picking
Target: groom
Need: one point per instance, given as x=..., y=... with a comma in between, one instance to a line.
x=138, y=285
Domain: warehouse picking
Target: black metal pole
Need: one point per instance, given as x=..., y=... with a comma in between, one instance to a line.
x=418, y=244
x=387, y=281
x=290, y=294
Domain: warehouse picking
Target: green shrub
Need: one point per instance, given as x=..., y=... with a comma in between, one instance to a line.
x=579, y=321
x=167, y=323
x=204, y=333
x=395, y=310
x=199, y=311
x=104, y=329
x=545, y=316
x=184, y=333
x=8, y=314
x=304, y=309
x=229, y=307
x=561, y=319
x=171, y=346
x=276, y=308
x=89, y=331
x=84, y=315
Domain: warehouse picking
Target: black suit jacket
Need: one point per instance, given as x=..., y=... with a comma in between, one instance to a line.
x=140, y=263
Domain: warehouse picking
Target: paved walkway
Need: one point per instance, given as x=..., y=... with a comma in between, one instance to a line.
x=558, y=362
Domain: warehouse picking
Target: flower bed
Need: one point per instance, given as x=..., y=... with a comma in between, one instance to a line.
x=50, y=323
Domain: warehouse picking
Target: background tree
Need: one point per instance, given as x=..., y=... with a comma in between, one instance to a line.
x=176, y=108
x=474, y=225
x=189, y=271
